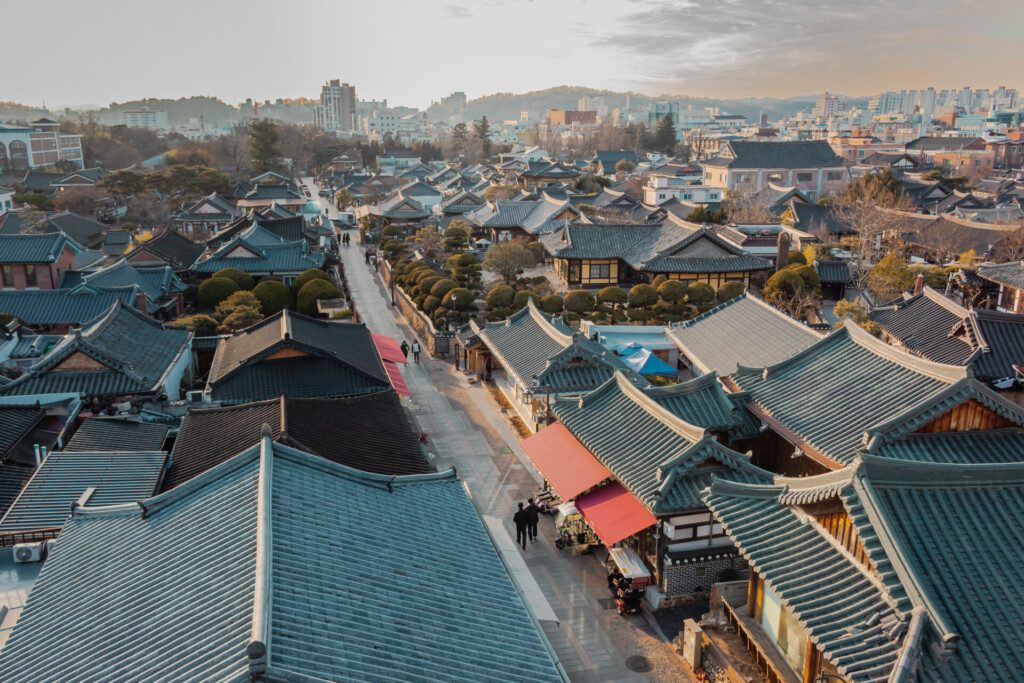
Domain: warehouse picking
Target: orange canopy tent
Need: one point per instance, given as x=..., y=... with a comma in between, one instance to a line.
x=565, y=462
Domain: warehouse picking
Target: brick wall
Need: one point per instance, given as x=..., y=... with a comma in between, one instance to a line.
x=687, y=576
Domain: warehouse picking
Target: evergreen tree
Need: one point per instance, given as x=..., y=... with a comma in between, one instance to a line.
x=665, y=135
x=263, y=146
x=460, y=133
x=482, y=132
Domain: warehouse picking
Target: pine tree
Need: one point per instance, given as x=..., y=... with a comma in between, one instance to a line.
x=482, y=132
x=263, y=146
x=665, y=135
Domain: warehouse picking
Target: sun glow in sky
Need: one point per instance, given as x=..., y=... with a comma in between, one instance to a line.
x=414, y=51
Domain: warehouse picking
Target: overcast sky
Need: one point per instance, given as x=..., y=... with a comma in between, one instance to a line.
x=415, y=51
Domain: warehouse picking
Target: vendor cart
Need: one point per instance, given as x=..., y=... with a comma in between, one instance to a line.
x=628, y=579
x=572, y=529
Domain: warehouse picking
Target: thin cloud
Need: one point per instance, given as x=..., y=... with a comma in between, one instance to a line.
x=458, y=12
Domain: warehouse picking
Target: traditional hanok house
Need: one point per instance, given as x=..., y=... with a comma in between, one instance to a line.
x=84, y=231
x=886, y=570
x=24, y=428
x=605, y=160
x=66, y=479
x=122, y=355
x=425, y=194
x=263, y=196
x=588, y=255
x=748, y=166
x=204, y=217
x=460, y=203
x=834, y=275
x=442, y=175
x=822, y=220
x=292, y=355
x=940, y=239
x=98, y=433
x=634, y=462
x=744, y=331
x=1010, y=279
x=534, y=357
x=36, y=261
x=352, y=160
x=259, y=252
x=159, y=289
x=546, y=172
x=239, y=554
x=819, y=403
x=624, y=339
x=400, y=210
x=418, y=171
x=56, y=310
x=167, y=248
x=523, y=220
x=286, y=229
x=930, y=325
x=370, y=432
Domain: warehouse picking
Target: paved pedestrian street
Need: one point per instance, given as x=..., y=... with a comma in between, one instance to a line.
x=467, y=431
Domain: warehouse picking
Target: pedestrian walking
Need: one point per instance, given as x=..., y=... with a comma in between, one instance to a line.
x=416, y=350
x=534, y=517
x=522, y=522
x=366, y=255
x=405, y=349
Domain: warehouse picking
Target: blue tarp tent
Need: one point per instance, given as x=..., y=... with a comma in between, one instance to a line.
x=629, y=348
x=646, y=363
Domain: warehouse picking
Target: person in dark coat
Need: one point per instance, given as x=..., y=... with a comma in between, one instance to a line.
x=405, y=349
x=534, y=517
x=522, y=522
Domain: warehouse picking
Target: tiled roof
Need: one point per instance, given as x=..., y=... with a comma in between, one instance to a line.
x=801, y=154
x=663, y=460
x=62, y=479
x=829, y=394
x=16, y=421
x=13, y=477
x=819, y=218
x=370, y=432
x=1009, y=274
x=322, y=359
x=117, y=434
x=929, y=325
x=832, y=272
x=703, y=402
x=742, y=331
x=277, y=526
x=82, y=230
x=977, y=447
x=34, y=248
x=133, y=352
x=57, y=307
x=157, y=282
x=1001, y=339
x=285, y=257
x=172, y=247
x=531, y=346
x=943, y=144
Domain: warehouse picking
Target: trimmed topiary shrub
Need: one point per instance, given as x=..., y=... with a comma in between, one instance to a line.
x=458, y=299
x=430, y=304
x=613, y=295
x=700, y=293
x=643, y=295
x=273, y=296
x=442, y=287
x=522, y=297
x=579, y=301
x=729, y=291
x=313, y=291
x=215, y=290
x=307, y=275
x=243, y=280
x=672, y=291
x=200, y=324
x=552, y=304
x=500, y=297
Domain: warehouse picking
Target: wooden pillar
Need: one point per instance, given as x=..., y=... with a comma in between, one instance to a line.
x=752, y=593
x=810, y=662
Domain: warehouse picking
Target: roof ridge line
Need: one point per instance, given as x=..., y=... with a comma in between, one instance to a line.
x=547, y=325
x=688, y=431
x=258, y=650
x=934, y=296
x=940, y=371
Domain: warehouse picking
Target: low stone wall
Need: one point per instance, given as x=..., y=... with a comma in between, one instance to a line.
x=693, y=578
x=418, y=321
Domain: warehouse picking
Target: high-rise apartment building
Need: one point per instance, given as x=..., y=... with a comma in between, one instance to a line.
x=828, y=105
x=336, y=111
x=150, y=119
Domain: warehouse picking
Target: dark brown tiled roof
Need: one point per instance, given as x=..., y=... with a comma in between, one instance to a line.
x=370, y=432
x=115, y=434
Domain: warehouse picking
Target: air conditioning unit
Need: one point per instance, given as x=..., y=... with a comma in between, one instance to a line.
x=30, y=552
x=197, y=396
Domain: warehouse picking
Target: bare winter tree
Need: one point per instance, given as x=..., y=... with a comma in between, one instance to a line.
x=701, y=145
x=750, y=209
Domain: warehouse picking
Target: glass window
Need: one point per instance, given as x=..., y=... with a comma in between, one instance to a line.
x=8, y=275
x=835, y=175
x=574, y=271
x=30, y=276
x=803, y=177
x=601, y=271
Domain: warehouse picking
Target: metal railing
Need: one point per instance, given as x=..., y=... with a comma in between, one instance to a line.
x=13, y=538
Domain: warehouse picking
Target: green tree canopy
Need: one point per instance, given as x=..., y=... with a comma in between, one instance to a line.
x=240, y=278
x=613, y=295
x=458, y=299
x=215, y=290
x=307, y=275
x=200, y=324
x=890, y=277
x=456, y=236
x=672, y=291
x=273, y=296
x=313, y=291
x=264, y=146
x=643, y=295
x=579, y=301
x=552, y=304
x=506, y=259
x=700, y=293
x=729, y=291
x=500, y=297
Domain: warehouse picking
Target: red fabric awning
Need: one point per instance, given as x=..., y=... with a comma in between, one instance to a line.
x=564, y=461
x=614, y=513
x=397, y=381
x=389, y=348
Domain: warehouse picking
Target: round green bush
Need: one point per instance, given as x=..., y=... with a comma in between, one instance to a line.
x=700, y=293
x=658, y=280
x=579, y=301
x=552, y=304
x=201, y=325
x=442, y=287
x=243, y=280
x=643, y=295
x=672, y=291
x=458, y=299
x=796, y=257
x=215, y=290
x=430, y=304
x=426, y=284
x=729, y=291
x=500, y=297
x=307, y=275
x=521, y=297
x=613, y=295
x=240, y=318
x=273, y=296
x=313, y=291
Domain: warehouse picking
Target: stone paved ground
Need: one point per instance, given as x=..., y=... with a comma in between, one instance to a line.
x=467, y=431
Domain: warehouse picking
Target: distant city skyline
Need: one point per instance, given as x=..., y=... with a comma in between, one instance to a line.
x=412, y=53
